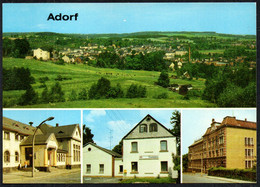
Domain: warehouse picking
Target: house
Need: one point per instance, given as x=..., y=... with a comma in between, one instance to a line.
x=171, y=66
x=148, y=151
x=66, y=59
x=57, y=146
x=230, y=144
x=41, y=54
x=103, y=167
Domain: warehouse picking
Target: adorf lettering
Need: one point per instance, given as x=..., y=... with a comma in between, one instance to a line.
x=60, y=17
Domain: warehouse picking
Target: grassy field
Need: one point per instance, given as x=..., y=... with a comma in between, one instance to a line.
x=83, y=76
x=219, y=51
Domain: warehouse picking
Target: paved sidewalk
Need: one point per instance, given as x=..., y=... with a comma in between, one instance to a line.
x=56, y=176
x=204, y=178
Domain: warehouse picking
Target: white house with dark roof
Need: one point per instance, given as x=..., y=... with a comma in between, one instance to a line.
x=148, y=151
x=54, y=146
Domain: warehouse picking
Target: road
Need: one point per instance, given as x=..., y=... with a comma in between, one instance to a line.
x=198, y=178
x=100, y=180
x=56, y=176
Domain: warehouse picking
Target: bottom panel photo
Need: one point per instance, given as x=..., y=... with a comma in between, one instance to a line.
x=131, y=146
x=219, y=146
x=41, y=146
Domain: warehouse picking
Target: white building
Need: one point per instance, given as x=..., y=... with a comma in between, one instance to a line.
x=148, y=151
x=54, y=146
x=41, y=54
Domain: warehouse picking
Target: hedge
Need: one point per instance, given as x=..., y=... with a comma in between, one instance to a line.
x=242, y=174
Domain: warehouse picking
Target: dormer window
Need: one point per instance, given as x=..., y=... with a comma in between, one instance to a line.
x=60, y=132
x=153, y=127
x=143, y=128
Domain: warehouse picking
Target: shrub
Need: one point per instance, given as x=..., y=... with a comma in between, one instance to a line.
x=56, y=93
x=136, y=91
x=73, y=96
x=162, y=96
x=163, y=79
x=83, y=95
x=43, y=79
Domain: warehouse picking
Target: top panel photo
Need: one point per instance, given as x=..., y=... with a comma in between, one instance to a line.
x=129, y=55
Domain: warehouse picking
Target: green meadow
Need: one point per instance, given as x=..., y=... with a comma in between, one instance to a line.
x=83, y=76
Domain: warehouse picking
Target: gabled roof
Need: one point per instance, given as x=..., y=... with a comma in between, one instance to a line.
x=103, y=149
x=65, y=131
x=148, y=115
x=40, y=139
x=16, y=126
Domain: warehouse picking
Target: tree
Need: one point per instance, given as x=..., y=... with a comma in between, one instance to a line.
x=176, y=161
x=136, y=91
x=176, y=122
x=83, y=95
x=56, y=93
x=163, y=79
x=118, y=148
x=20, y=48
x=29, y=97
x=45, y=98
x=185, y=162
x=73, y=95
x=87, y=135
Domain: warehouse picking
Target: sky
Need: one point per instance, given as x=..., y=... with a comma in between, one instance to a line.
x=117, y=123
x=195, y=122
x=62, y=117
x=230, y=18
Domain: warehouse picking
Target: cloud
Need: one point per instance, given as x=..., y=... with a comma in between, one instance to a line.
x=124, y=20
x=93, y=114
x=42, y=26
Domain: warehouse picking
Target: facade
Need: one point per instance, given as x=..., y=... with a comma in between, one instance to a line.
x=54, y=146
x=148, y=151
x=230, y=144
x=41, y=54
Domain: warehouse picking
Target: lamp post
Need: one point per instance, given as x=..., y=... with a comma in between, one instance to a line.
x=49, y=119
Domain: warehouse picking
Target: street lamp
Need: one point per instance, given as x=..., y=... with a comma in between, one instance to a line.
x=49, y=119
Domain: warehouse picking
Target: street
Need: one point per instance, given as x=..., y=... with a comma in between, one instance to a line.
x=204, y=178
x=101, y=180
x=56, y=176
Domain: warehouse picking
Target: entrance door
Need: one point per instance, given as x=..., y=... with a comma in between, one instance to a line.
x=50, y=160
x=28, y=156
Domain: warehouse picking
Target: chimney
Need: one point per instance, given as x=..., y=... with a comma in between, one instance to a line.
x=57, y=124
x=245, y=119
x=31, y=123
x=213, y=120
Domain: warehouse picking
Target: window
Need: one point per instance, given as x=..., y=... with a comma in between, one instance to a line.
x=134, y=166
x=163, y=145
x=249, y=141
x=164, y=166
x=16, y=156
x=101, y=168
x=16, y=136
x=7, y=135
x=134, y=147
x=248, y=164
x=88, y=168
x=76, y=153
x=153, y=127
x=121, y=169
x=221, y=140
x=143, y=128
x=7, y=156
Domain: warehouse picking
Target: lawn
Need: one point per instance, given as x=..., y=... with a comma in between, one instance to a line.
x=149, y=180
x=83, y=76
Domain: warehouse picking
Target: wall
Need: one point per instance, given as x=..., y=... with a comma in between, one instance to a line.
x=95, y=157
x=236, y=146
x=118, y=162
x=149, y=147
x=12, y=146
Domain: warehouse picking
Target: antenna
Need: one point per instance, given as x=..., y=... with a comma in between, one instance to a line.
x=110, y=137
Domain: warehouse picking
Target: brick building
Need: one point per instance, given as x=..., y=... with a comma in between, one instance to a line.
x=230, y=144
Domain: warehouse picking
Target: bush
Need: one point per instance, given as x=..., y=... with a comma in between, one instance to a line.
x=83, y=95
x=73, y=96
x=56, y=93
x=43, y=79
x=163, y=79
x=162, y=96
x=136, y=91
x=242, y=174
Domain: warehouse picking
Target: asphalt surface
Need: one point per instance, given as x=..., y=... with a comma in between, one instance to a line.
x=56, y=176
x=198, y=178
x=100, y=180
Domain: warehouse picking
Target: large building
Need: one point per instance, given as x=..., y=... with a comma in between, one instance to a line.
x=148, y=151
x=54, y=146
x=230, y=144
x=41, y=54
